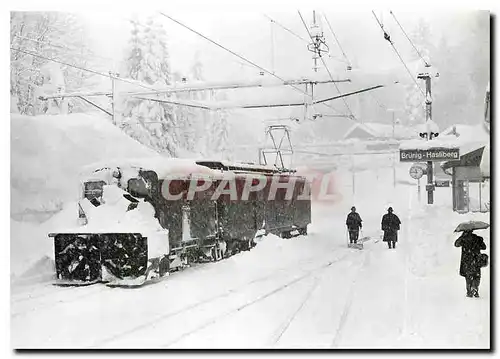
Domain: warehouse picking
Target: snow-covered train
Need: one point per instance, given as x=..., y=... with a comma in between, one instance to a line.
x=141, y=219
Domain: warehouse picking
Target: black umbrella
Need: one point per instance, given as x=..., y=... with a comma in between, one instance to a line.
x=471, y=225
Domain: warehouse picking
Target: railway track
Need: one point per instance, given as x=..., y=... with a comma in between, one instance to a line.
x=348, y=302
x=315, y=273
x=288, y=321
x=227, y=298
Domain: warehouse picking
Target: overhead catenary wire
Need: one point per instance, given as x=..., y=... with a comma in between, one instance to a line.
x=243, y=58
x=411, y=42
x=337, y=40
x=81, y=68
x=327, y=69
x=301, y=38
x=387, y=37
x=347, y=59
x=286, y=29
x=48, y=43
x=378, y=102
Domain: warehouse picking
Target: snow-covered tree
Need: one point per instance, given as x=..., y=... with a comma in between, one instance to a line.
x=147, y=61
x=464, y=66
x=201, y=132
x=75, y=46
x=219, y=131
x=52, y=35
x=185, y=118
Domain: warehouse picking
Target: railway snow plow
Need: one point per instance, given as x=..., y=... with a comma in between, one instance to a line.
x=142, y=219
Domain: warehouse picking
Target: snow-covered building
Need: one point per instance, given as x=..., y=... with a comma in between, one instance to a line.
x=375, y=130
x=468, y=131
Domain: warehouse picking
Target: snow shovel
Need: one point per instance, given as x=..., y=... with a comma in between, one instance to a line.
x=353, y=245
x=363, y=238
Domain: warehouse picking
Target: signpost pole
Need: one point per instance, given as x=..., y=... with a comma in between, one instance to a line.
x=394, y=170
x=428, y=110
x=430, y=180
x=419, y=190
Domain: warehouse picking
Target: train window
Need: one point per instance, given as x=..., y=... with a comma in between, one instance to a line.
x=139, y=187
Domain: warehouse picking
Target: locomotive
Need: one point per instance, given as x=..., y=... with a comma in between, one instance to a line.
x=203, y=210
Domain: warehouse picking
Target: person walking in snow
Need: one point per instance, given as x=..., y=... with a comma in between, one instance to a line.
x=390, y=226
x=470, y=261
x=354, y=224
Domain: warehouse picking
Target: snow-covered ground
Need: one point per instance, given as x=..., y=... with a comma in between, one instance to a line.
x=306, y=292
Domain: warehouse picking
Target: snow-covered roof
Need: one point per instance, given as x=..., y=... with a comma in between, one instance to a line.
x=164, y=166
x=381, y=130
x=469, y=131
x=159, y=164
x=485, y=162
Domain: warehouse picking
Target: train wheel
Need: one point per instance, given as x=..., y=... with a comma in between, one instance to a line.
x=303, y=231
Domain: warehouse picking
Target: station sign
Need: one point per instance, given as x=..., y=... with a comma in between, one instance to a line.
x=431, y=154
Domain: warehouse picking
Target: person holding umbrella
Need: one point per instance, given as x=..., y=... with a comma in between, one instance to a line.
x=471, y=260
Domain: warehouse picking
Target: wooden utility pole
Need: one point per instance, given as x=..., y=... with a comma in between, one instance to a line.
x=315, y=58
x=428, y=117
x=113, y=76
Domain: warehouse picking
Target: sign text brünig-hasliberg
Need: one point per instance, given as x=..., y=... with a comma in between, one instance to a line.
x=432, y=154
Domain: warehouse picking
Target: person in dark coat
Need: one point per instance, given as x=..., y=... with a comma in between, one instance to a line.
x=390, y=226
x=354, y=224
x=470, y=266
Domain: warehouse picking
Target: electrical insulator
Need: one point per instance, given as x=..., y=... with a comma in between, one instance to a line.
x=429, y=135
x=315, y=31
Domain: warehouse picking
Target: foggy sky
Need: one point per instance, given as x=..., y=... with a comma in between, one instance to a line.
x=249, y=34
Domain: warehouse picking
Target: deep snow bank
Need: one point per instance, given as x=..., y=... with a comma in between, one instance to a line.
x=47, y=153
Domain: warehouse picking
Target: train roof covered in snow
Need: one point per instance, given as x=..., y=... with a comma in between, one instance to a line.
x=163, y=166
